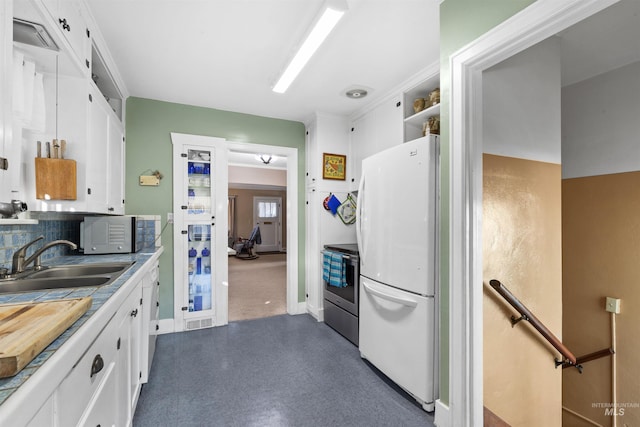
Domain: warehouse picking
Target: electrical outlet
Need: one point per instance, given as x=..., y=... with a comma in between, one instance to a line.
x=170, y=217
x=613, y=305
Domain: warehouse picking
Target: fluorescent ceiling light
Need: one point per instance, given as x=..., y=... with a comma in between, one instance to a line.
x=321, y=30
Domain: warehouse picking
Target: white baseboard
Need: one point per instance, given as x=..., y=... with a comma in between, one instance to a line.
x=442, y=417
x=301, y=308
x=166, y=326
x=316, y=312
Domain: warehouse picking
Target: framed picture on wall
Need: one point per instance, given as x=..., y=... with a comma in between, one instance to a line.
x=334, y=166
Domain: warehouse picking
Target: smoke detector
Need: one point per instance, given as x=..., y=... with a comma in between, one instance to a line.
x=356, y=93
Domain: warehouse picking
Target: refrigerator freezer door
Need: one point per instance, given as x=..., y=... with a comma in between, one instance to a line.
x=396, y=216
x=397, y=336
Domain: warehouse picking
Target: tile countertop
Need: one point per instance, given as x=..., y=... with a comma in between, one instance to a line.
x=99, y=294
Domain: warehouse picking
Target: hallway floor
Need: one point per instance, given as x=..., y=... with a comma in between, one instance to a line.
x=278, y=371
x=257, y=287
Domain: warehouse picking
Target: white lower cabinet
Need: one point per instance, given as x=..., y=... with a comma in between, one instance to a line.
x=104, y=383
x=129, y=320
x=83, y=386
x=150, y=326
x=45, y=415
x=100, y=410
x=103, y=386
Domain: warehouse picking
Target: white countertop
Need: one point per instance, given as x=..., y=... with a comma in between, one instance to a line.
x=100, y=295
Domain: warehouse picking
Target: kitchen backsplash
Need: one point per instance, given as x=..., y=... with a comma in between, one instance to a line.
x=12, y=237
x=148, y=229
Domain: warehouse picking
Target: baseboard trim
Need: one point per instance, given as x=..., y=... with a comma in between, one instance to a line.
x=301, y=308
x=165, y=326
x=442, y=417
x=316, y=312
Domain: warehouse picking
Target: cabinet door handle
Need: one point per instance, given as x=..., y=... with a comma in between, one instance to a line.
x=65, y=26
x=97, y=365
x=134, y=313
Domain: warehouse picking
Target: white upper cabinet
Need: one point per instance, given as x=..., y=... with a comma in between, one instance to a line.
x=97, y=167
x=377, y=130
x=83, y=104
x=68, y=16
x=6, y=62
x=116, y=172
x=394, y=120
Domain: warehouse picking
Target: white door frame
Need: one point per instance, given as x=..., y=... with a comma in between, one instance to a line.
x=290, y=211
x=219, y=234
x=279, y=225
x=537, y=22
x=220, y=208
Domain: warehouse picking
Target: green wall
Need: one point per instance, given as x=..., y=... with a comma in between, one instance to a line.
x=461, y=22
x=148, y=146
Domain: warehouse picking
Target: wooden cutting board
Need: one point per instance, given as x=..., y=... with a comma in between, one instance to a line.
x=28, y=328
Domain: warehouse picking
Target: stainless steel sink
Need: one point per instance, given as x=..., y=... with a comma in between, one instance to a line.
x=23, y=285
x=65, y=276
x=65, y=271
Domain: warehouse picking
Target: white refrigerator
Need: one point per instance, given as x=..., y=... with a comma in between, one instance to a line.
x=396, y=228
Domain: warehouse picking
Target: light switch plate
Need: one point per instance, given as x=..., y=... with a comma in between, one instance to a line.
x=613, y=305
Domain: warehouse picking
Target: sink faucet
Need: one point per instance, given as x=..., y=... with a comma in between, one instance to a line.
x=19, y=261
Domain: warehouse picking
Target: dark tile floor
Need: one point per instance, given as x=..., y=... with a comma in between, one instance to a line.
x=279, y=371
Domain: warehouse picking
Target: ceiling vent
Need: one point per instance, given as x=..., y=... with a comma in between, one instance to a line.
x=33, y=34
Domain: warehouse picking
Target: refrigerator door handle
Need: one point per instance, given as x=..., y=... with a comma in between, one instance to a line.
x=359, y=209
x=389, y=297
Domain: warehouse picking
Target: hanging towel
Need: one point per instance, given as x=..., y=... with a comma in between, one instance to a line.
x=18, y=84
x=29, y=70
x=38, y=118
x=334, y=269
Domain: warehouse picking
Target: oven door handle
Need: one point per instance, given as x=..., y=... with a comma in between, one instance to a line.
x=389, y=297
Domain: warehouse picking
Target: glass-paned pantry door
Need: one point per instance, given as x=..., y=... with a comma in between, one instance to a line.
x=200, y=267
x=199, y=183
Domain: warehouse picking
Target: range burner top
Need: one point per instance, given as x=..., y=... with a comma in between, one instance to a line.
x=349, y=248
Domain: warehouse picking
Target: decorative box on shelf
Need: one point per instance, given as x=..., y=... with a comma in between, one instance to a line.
x=55, y=179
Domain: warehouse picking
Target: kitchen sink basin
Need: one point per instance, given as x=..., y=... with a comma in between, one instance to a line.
x=70, y=271
x=65, y=276
x=28, y=284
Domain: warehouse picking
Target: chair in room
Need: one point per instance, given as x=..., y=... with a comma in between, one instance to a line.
x=245, y=248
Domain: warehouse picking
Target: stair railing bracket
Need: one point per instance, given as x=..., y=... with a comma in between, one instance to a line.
x=566, y=364
x=514, y=320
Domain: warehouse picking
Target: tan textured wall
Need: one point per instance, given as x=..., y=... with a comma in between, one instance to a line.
x=244, y=207
x=601, y=257
x=521, y=247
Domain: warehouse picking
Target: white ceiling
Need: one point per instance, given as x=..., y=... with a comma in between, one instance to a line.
x=227, y=54
x=603, y=42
